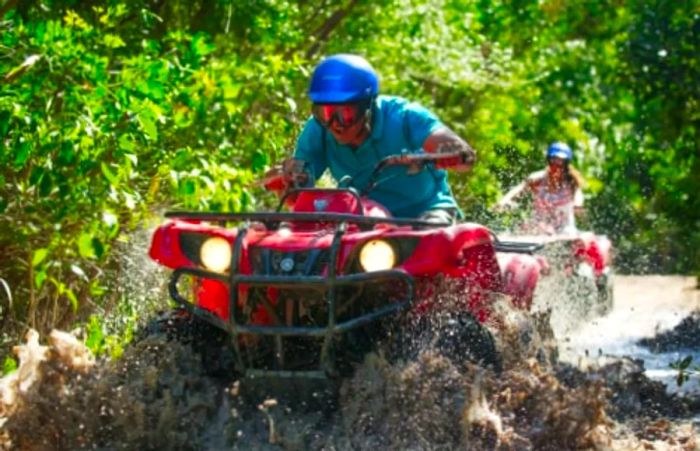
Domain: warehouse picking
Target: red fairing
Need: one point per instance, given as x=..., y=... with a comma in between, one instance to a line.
x=464, y=255
x=328, y=202
x=596, y=250
x=338, y=202
x=165, y=245
x=521, y=272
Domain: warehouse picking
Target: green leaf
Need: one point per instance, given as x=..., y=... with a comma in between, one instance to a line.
x=22, y=154
x=39, y=256
x=200, y=46
x=113, y=41
x=109, y=175
x=66, y=156
x=39, y=279
x=126, y=143
x=45, y=185
x=98, y=247
x=95, y=335
x=189, y=187
x=148, y=126
x=8, y=365
x=72, y=298
x=260, y=160
x=85, y=248
x=685, y=363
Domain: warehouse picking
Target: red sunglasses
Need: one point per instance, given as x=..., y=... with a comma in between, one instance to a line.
x=346, y=114
x=556, y=161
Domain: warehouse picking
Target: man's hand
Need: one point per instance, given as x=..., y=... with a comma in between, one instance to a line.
x=465, y=155
x=445, y=140
x=290, y=174
x=294, y=173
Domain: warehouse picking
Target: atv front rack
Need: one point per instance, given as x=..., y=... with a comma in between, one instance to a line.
x=235, y=325
x=272, y=220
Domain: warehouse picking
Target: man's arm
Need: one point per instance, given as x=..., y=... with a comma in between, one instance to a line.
x=444, y=140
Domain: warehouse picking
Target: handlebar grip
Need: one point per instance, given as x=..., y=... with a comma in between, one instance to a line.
x=450, y=161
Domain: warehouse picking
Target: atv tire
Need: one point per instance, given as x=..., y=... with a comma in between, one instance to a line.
x=459, y=336
x=605, y=295
x=211, y=343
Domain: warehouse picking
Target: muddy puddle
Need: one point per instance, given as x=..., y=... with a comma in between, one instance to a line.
x=157, y=396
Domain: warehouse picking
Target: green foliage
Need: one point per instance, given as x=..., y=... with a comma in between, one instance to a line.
x=111, y=111
x=96, y=133
x=8, y=365
x=101, y=343
x=684, y=370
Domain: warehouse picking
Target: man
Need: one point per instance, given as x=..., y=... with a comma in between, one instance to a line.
x=353, y=128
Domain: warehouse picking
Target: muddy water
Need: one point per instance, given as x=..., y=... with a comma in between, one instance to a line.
x=645, y=306
x=158, y=397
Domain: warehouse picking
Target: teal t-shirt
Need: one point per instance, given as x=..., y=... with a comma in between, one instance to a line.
x=398, y=126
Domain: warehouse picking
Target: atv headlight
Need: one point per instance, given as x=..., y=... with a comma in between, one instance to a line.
x=377, y=255
x=215, y=254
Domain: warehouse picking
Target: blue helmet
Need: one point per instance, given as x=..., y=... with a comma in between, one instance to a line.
x=343, y=78
x=560, y=150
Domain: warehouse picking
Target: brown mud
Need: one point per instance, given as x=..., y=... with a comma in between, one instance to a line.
x=157, y=396
x=685, y=335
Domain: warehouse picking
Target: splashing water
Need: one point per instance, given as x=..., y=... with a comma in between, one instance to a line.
x=159, y=396
x=645, y=306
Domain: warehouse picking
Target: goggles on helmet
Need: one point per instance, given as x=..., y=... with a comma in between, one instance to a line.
x=345, y=114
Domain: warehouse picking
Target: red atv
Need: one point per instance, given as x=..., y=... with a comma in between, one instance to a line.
x=308, y=293
x=576, y=267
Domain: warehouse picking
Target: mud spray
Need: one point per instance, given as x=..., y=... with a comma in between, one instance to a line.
x=158, y=396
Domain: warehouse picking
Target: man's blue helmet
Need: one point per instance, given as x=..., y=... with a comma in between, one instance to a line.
x=343, y=78
x=560, y=150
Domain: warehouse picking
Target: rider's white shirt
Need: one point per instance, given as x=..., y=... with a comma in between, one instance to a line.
x=554, y=209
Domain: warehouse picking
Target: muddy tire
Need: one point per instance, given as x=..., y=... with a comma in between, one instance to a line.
x=605, y=295
x=463, y=338
x=459, y=337
x=581, y=296
x=211, y=343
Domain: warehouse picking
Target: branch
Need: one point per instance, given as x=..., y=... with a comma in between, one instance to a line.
x=328, y=26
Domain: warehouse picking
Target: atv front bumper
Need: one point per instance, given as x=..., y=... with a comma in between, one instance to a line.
x=238, y=325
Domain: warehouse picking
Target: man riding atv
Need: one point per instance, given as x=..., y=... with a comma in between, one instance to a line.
x=556, y=194
x=353, y=128
x=378, y=263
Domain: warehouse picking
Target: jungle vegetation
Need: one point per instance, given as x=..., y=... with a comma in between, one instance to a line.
x=113, y=111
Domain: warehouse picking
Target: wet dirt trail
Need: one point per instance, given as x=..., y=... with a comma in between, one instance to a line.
x=645, y=306
x=157, y=396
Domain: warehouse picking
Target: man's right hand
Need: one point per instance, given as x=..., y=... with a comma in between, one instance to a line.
x=290, y=174
x=293, y=170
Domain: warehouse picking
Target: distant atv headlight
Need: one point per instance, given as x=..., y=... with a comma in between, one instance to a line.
x=377, y=255
x=215, y=254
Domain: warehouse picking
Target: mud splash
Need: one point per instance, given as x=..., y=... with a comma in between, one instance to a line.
x=684, y=336
x=157, y=396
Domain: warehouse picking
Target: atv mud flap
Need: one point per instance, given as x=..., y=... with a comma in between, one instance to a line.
x=236, y=326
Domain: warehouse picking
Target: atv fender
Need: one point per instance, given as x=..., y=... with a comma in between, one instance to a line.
x=521, y=272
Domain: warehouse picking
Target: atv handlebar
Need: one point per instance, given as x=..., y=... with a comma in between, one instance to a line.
x=281, y=180
x=415, y=162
